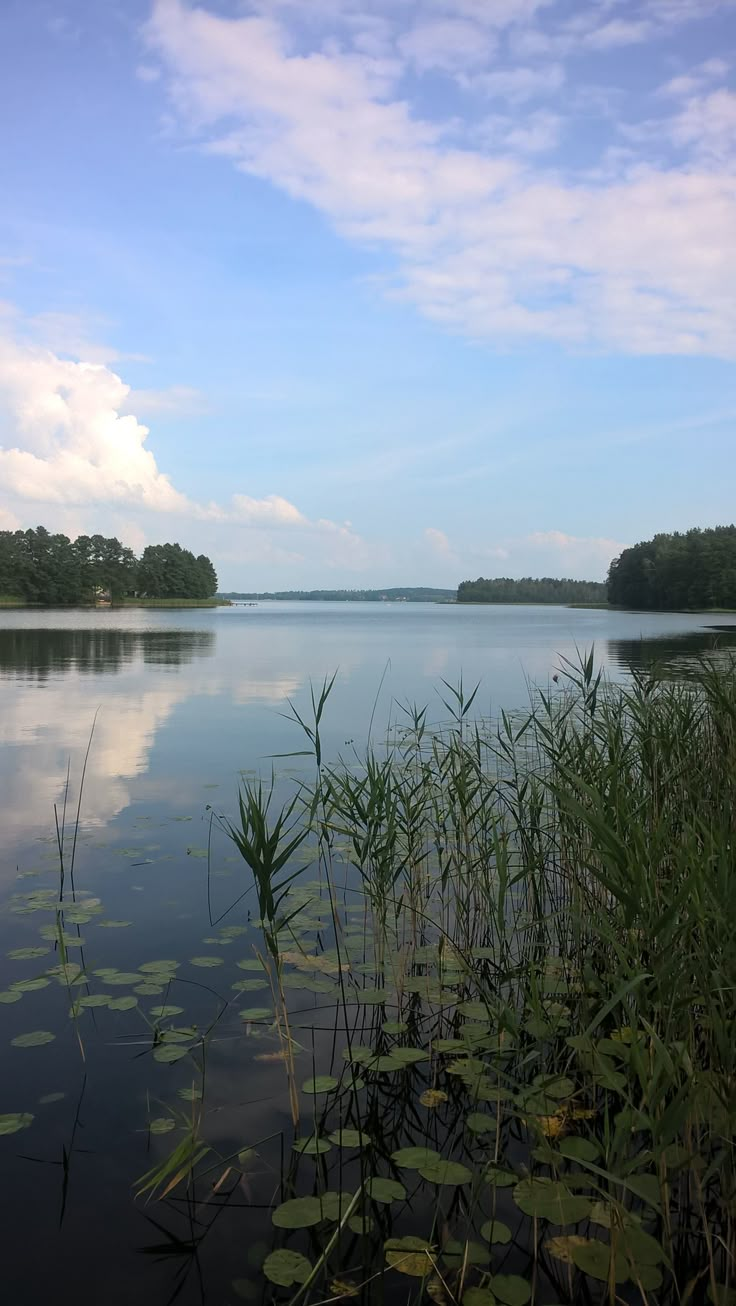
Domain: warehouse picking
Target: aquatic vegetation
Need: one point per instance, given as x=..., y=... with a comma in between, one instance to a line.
x=500, y=1016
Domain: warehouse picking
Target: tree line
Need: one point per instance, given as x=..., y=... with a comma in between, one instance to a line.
x=544, y=589
x=39, y=567
x=695, y=569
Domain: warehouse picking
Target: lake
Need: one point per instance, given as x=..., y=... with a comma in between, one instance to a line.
x=176, y=707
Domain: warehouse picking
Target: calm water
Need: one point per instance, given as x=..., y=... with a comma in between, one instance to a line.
x=183, y=703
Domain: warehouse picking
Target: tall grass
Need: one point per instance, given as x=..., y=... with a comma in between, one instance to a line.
x=570, y=874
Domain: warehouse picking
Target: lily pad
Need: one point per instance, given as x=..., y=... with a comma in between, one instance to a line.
x=311, y=1146
x=433, y=1098
x=25, y=954
x=495, y=1231
x=361, y=1225
x=478, y=1122
x=206, y=962
x=349, y=1138
x=35, y=1039
x=158, y=967
x=320, y=1084
x=169, y=1052
x=10, y=995
x=547, y=1199
x=255, y=1013
x=510, y=1289
x=168, y=1010
x=285, y=1268
x=126, y=1003
x=14, y=1121
x=446, y=1173
x=162, y=1125
x=409, y=1255
x=413, y=1158
x=385, y=1190
x=335, y=1205
x=297, y=1213
x=408, y=1056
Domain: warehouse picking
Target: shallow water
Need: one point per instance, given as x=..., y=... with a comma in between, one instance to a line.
x=183, y=703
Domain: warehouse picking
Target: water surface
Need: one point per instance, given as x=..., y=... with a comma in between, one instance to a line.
x=183, y=704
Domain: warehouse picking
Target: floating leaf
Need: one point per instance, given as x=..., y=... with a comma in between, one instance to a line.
x=449, y=1173
x=162, y=1125
x=343, y=1288
x=456, y=1253
x=168, y=1010
x=361, y=1224
x=298, y=1213
x=250, y=964
x=48, y=1098
x=120, y=978
x=385, y=1190
x=647, y=1187
x=255, y=1013
x=594, y=1258
x=15, y=1121
x=409, y=1056
x=10, y=995
x=480, y=1123
x=349, y=1138
x=158, y=967
x=562, y=1247
x=148, y=990
x=449, y=1045
x=409, y=1255
x=249, y=985
x=372, y=997
x=113, y=925
x=30, y=985
x=433, y=1097
x=192, y=1094
x=474, y=1010
x=94, y=1000
x=384, y=1064
x=547, y=1199
x=122, y=1004
x=286, y=1268
x=25, y=954
x=394, y=1027
x=206, y=962
x=580, y=1149
x=412, y=1158
x=33, y=1040
x=335, y=1205
x=168, y=1052
x=320, y=1084
x=510, y=1289
x=495, y=1231
x=311, y=1146
x=478, y=1297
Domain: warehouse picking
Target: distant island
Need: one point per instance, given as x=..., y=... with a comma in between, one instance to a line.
x=37, y=567
x=546, y=589
x=396, y=594
x=692, y=571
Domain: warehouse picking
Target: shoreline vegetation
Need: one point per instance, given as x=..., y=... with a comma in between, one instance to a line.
x=53, y=571
x=521, y=938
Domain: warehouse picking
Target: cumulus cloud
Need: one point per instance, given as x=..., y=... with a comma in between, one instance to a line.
x=519, y=84
x=437, y=541
x=447, y=44
x=645, y=262
x=67, y=440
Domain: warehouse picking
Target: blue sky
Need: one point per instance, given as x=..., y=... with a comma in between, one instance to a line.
x=361, y=292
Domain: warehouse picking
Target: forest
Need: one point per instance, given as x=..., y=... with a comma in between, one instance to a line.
x=545, y=589
x=691, y=570
x=38, y=567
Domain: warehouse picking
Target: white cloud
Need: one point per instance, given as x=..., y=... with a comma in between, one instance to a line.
x=520, y=84
x=534, y=134
x=707, y=126
x=485, y=244
x=712, y=70
x=448, y=45
x=67, y=441
x=70, y=442
x=437, y=541
x=573, y=550
x=171, y=399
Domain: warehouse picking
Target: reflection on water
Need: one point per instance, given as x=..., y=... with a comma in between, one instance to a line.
x=36, y=652
x=670, y=652
x=180, y=712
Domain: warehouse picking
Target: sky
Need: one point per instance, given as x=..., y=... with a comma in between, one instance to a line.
x=351, y=293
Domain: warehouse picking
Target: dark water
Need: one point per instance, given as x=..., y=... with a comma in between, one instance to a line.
x=183, y=703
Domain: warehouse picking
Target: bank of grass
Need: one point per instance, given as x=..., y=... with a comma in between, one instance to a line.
x=11, y=601
x=172, y=603
x=533, y=966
